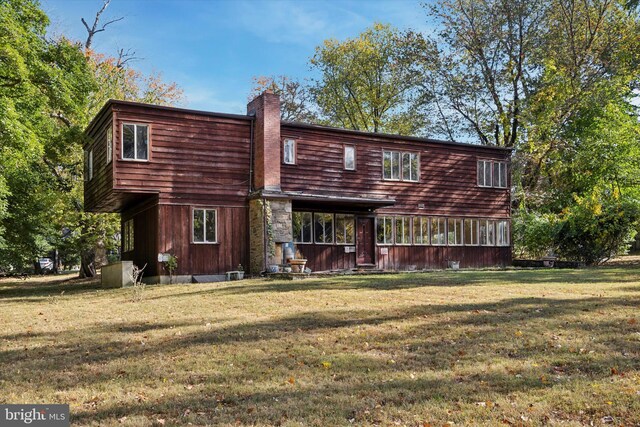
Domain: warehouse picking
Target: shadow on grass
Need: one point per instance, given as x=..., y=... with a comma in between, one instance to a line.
x=24, y=290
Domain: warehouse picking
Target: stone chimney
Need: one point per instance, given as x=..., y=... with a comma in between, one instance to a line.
x=267, y=153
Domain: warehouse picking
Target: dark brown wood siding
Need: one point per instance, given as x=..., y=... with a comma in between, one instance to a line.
x=99, y=189
x=192, y=158
x=196, y=258
x=448, y=178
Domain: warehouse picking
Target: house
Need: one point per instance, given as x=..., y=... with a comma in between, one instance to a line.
x=218, y=190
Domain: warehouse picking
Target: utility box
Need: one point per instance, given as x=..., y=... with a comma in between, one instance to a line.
x=117, y=275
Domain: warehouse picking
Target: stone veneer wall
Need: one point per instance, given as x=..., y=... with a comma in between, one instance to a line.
x=270, y=218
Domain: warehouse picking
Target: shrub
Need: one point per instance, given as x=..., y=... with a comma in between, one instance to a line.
x=533, y=234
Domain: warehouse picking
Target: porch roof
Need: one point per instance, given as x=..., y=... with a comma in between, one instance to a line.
x=363, y=202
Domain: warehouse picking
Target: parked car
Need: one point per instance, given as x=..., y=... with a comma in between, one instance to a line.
x=45, y=265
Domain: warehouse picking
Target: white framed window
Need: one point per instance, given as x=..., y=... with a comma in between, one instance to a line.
x=403, y=230
x=289, y=151
x=487, y=233
x=88, y=165
x=204, y=226
x=345, y=229
x=454, y=232
x=471, y=232
x=502, y=233
x=384, y=230
x=127, y=236
x=420, y=230
x=410, y=166
x=109, y=144
x=438, y=231
x=492, y=174
x=302, y=227
x=135, y=141
x=500, y=174
x=349, y=157
x=323, y=228
x=395, y=162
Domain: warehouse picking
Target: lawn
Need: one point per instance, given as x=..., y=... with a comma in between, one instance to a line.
x=545, y=347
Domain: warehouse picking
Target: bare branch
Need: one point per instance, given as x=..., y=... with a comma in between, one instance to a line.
x=61, y=117
x=124, y=57
x=94, y=29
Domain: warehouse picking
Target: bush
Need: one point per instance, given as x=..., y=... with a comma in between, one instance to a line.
x=597, y=228
x=533, y=234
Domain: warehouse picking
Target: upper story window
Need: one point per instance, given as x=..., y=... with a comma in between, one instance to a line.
x=350, y=157
x=109, y=144
x=135, y=141
x=204, y=226
x=492, y=174
x=395, y=162
x=289, y=152
x=127, y=236
x=88, y=165
x=302, y=226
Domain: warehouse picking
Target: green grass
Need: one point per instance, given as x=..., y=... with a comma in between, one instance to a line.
x=546, y=347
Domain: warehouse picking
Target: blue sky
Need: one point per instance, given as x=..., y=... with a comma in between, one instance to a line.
x=212, y=49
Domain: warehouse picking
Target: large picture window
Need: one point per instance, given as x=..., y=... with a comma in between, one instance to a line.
x=487, y=233
x=471, y=232
x=421, y=230
x=438, y=231
x=204, y=226
x=345, y=229
x=127, y=236
x=454, y=235
x=384, y=230
x=135, y=141
x=502, y=233
x=394, y=162
x=302, y=227
x=289, y=152
x=403, y=230
x=323, y=227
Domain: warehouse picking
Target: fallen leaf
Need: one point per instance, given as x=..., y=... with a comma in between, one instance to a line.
x=326, y=365
x=291, y=380
x=518, y=333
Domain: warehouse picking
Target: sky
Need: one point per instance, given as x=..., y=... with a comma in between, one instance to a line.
x=213, y=48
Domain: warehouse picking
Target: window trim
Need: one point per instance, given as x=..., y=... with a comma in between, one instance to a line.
x=393, y=225
x=477, y=233
x=135, y=142
x=492, y=163
x=344, y=157
x=457, y=221
x=404, y=218
x=486, y=222
x=431, y=228
x=205, y=209
x=507, y=232
x=335, y=229
x=421, y=219
x=294, y=151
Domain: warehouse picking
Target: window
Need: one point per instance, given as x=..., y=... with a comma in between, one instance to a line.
x=127, y=236
x=302, y=227
x=88, y=165
x=471, y=232
x=323, y=227
x=384, y=230
x=135, y=142
x=492, y=174
x=394, y=161
x=438, y=231
x=204, y=226
x=502, y=233
x=109, y=144
x=421, y=230
x=410, y=167
x=500, y=174
x=289, y=152
x=487, y=235
x=350, y=157
x=454, y=236
x=403, y=230
x=345, y=229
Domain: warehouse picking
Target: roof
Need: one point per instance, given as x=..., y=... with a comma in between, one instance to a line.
x=299, y=125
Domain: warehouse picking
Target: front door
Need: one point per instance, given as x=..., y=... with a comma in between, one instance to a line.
x=365, y=243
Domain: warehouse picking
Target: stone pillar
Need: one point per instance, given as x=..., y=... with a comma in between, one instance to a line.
x=267, y=153
x=270, y=226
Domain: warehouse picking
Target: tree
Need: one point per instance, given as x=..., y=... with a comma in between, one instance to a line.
x=367, y=83
x=296, y=102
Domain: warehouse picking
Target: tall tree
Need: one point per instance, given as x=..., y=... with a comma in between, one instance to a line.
x=296, y=101
x=367, y=83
